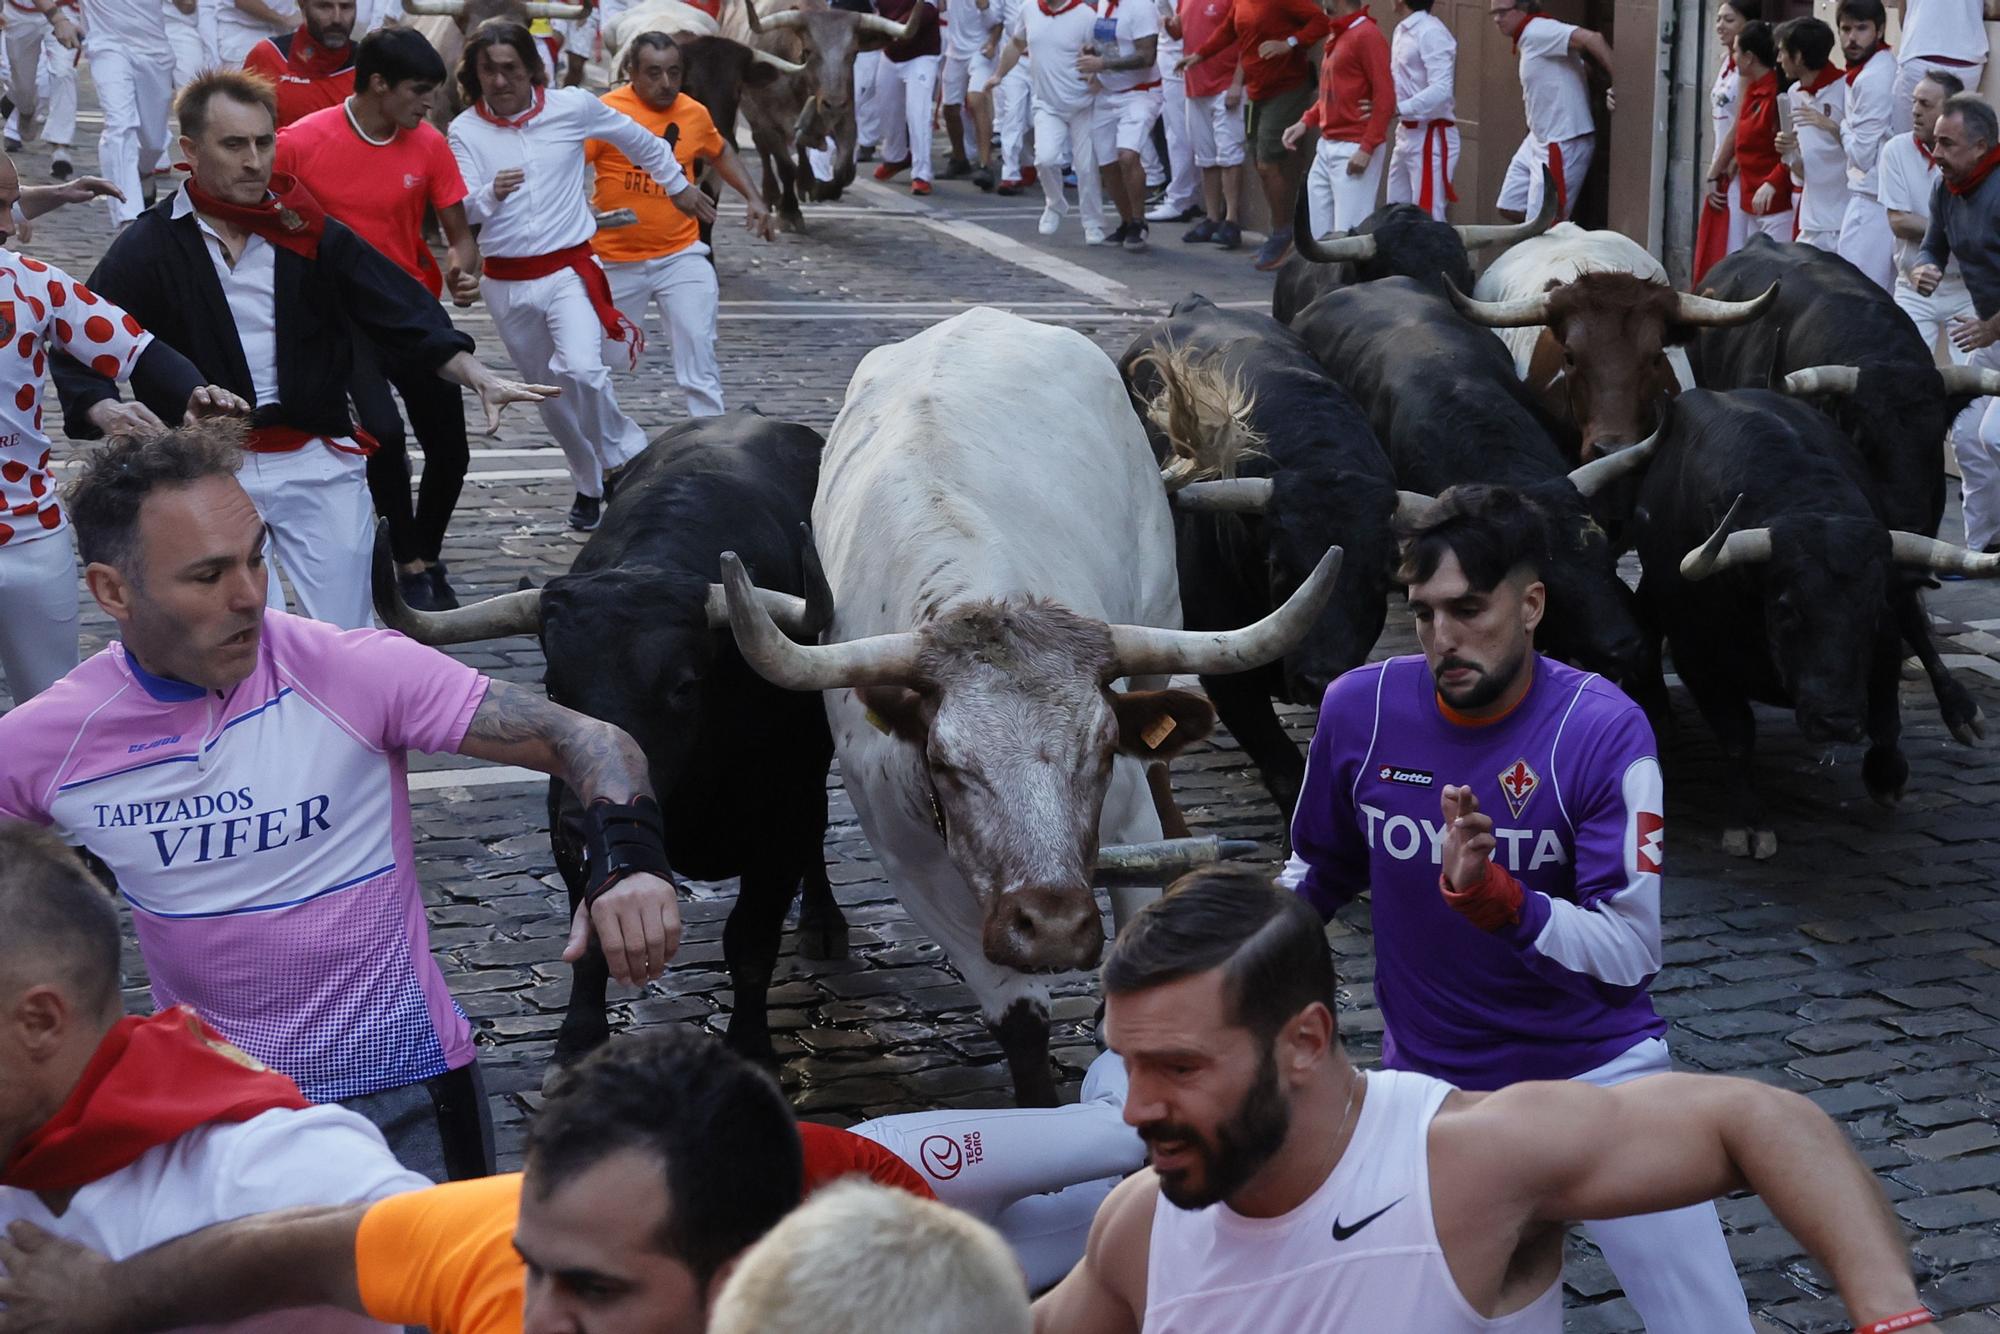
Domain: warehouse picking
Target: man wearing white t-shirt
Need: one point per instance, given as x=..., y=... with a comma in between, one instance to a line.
x=1561, y=134
x=120, y=1132
x=1423, y=60
x=1909, y=175
x=1805, y=51
x=1865, y=240
x=1054, y=36
x=132, y=66
x=1944, y=35
x=44, y=40
x=1124, y=61
x=966, y=25
x=241, y=24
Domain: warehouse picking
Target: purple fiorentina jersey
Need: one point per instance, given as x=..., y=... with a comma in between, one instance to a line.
x=1572, y=782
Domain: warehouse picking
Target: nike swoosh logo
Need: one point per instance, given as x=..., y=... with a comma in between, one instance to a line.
x=1343, y=1233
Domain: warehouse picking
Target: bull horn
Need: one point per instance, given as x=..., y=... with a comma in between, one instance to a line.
x=894, y=31
x=1822, y=380
x=518, y=613
x=1141, y=650
x=1334, y=249
x=1474, y=235
x=1600, y=473
x=1711, y=313
x=876, y=661
x=1411, y=506
x=449, y=9
x=1165, y=861
x=547, y=9
x=1940, y=557
x=751, y=16
x=790, y=614
x=1233, y=495
x=1523, y=313
x=1970, y=380
x=1724, y=548
x=778, y=63
x=783, y=21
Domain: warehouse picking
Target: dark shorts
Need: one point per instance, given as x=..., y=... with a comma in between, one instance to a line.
x=440, y=1127
x=1270, y=118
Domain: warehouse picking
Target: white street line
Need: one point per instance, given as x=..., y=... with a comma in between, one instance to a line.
x=1070, y=275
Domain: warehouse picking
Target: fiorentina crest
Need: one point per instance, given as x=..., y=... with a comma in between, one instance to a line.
x=1518, y=783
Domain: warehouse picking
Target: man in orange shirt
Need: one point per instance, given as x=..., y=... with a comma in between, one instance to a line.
x=661, y=257
x=312, y=66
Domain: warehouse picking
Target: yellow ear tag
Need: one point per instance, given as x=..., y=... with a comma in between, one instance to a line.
x=1161, y=729
x=875, y=721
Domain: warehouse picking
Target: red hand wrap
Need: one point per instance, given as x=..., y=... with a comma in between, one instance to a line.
x=1489, y=905
x=1907, y=1320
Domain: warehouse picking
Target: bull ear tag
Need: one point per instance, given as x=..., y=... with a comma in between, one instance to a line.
x=1162, y=728
x=876, y=721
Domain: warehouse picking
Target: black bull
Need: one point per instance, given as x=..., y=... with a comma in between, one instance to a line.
x=1892, y=401
x=1330, y=485
x=1445, y=402
x=630, y=636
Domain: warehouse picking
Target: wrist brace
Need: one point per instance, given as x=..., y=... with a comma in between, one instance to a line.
x=619, y=840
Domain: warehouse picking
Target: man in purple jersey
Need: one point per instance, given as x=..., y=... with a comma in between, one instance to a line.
x=1506, y=811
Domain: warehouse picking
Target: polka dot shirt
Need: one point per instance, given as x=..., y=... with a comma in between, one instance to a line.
x=40, y=306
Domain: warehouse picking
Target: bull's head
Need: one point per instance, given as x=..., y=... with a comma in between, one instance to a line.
x=826, y=40
x=1010, y=707
x=1604, y=348
x=1822, y=581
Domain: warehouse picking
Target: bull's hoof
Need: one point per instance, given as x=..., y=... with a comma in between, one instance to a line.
x=1885, y=773
x=1969, y=730
x=791, y=220
x=1736, y=842
x=822, y=942
x=1913, y=669
x=1763, y=845
x=753, y=1044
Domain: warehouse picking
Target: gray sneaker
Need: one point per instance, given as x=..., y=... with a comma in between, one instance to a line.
x=1135, y=237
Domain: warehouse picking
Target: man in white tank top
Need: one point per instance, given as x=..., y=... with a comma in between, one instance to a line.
x=1287, y=1183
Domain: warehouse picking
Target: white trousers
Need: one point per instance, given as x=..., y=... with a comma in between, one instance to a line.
x=1674, y=1266
x=1827, y=241
x=1977, y=468
x=551, y=332
x=134, y=93
x=1777, y=226
x=904, y=91
x=38, y=614
x=1036, y=1174
x=1866, y=241
x=1013, y=108
x=1979, y=463
x=1183, y=178
x=1521, y=191
x=683, y=286
x=321, y=530
x=1408, y=159
x=1337, y=199
x=1910, y=72
x=41, y=78
x=1072, y=133
x=1215, y=131
x=867, y=116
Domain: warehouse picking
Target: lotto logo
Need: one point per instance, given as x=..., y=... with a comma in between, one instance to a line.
x=1652, y=838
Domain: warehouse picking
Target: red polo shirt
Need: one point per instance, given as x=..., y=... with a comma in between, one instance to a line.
x=307, y=75
x=1757, y=160
x=1254, y=22
x=1354, y=69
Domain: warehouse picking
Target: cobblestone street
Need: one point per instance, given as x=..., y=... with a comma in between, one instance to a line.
x=1860, y=966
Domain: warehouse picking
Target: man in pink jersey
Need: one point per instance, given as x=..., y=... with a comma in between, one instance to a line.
x=241, y=773
x=1286, y=1182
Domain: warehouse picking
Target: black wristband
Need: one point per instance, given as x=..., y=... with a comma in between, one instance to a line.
x=619, y=840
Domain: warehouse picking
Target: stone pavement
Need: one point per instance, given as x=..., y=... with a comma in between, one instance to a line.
x=1861, y=966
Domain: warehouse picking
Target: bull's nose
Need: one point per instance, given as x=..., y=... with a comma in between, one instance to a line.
x=1832, y=726
x=1044, y=929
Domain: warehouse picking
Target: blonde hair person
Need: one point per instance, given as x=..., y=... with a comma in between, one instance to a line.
x=858, y=1258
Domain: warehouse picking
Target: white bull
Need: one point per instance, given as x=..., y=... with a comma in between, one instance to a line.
x=997, y=559
x=1594, y=327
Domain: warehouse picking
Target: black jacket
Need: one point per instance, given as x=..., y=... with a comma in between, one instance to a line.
x=159, y=270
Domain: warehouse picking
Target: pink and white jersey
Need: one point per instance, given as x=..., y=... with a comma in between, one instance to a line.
x=262, y=837
x=1553, y=87
x=39, y=305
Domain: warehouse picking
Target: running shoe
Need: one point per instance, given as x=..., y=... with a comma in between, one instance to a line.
x=1050, y=221
x=1135, y=237
x=920, y=187
x=983, y=178
x=1008, y=188
x=889, y=170
x=1272, y=253
x=1168, y=213
x=586, y=513
x=1204, y=230
x=1229, y=236
x=957, y=169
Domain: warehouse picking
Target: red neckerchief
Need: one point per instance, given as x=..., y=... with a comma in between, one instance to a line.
x=1917, y=139
x=1827, y=74
x=289, y=218
x=1854, y=71
x=1043, y=5
x=513, y=122
x=309, y=60
x=1727, y=69
x=1524, y=27
x=1966, y=184
x=149, y=1082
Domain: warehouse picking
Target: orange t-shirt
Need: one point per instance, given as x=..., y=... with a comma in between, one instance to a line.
x=445, y=1257
x=662, y=229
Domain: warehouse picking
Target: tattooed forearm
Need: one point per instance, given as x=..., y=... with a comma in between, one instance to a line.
x=514, y=725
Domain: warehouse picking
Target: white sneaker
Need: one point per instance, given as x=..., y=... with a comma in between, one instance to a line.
x=1093, y=236
x=1050, y=221
x=1166, y=212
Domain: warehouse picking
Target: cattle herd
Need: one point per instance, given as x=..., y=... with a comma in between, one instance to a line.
x=992, y=592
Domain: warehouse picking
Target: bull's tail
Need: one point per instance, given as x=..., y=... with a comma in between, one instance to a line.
x=1205, y=412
